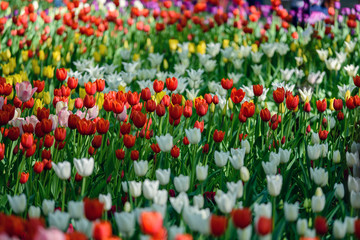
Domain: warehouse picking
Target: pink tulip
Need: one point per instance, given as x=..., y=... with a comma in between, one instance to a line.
x=63, y=117
x=49, y=234
x=24, y=91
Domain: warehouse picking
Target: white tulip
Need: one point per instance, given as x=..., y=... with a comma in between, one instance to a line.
x=76, y=209
x=124, y=186
x=275, y=158
x=106, y=200
x=355, y=199
x=350, y=224
x=256, y=56
x=324, y=150
x=269, y=49
x=85, y=226
x=339, y=229
x=161, y=197
x=245, y=144
x=59, y=219
x=48, y=206
x=197, y=219
x=34, y=212
x=201, y=172
x=179, y=202
x=135, y=188
x=141, y=168
x=221, y=158
x=17, y=203
x=319, y=176
x=174, y=231
x=244, y=234
x=314, y=152
x=182, y=183
x=336, y=156
x=237, y=158
x=355, y=147
x=310, y=233
x=352, y=159
x=127, y=206
x=339, y=190
x=284, y=155
x=193, y=135
x=165, y=142
x=62, y=169
x=244, y=174
x=274, y=184
x=263, y=210
x=353, y=184
x=126, y=223
x=150, y=188
x=323, y=54
x=84, y=166
x=236, y=188
x=291, y=211
x=318, y=201
x=225, y=201
x=163, y=175
x=301, y=226
x=270, y=168
x=198, y=201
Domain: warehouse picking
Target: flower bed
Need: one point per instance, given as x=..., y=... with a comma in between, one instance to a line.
x=174, y=120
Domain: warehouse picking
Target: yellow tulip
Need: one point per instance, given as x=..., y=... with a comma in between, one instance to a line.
x=282, y=107
x=71, y=104
x=36, y=70
x=7, y=54
x=212, y=107
x=148, y=42
x=121, y=88
x=41, y=55
x=25, y=55
x=97, y=56
x=136, y=57
x=347, y=95
x=82, y=93
x=201, y=47
x=166, y=64
x=47, y=98
x=230, y=103
x=173, y=43
x=105, y=39
x=68, y=57
x=71, y=47
x=17, y=79
x=11, y=96
x=6, y=69
x=293, y=47
x=9, y=80
x=39, y=95
x=225, y=43
x=236, y=38
x=102, y=49
x=254, y=48
x=331, y=107
x=151, y=49
x=159, y=96
x=100, y=100
x=126, y=44
x=191, y=47
x=38, y=104
x=56, y=56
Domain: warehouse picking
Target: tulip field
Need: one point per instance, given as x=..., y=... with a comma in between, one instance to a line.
x=180, y=120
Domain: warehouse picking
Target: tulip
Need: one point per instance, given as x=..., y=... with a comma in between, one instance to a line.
x=17, y=203
x=221, y=158
x=336, y=156
x=175, y=231
x=201, y=172
x=106, y=200
x=85, y=226
x=151, y=222
x=352, y=159
x=163, y=175
x=350, y=224
x=126, y=223
x=141, y=168
x=284, y=155
x=318, y=201
x=102, y=230
x=51, y=233
x=235, y=188
x=160, y=198
x=197, y=220
x=48, y=206
x=291, y=211
x=193, y=135
x=150, y=188
x=84, y=166
x=244, y=234
x=225, y=202
x=245, y=144
x=353, y=184
x=182, y=183
x=93, y=208
x=218, y=225
x=339, y=229
x=24, y=91
x=198, y=201
x=264, y=226
x=319, y=176
x=61, y=74
x=76, y=209
x=279, y=95
x=244, y=174
x=355, y=199
x=62, y=170
x=270, y=168
x=302, y=226
x=34, y=212
x=320, y=225
x=263, y=209
x=59, y=220
x=179, y=202
x=314, y=152
x=274, y=184
x=237, y=158
x=135, y=188
x=339, y=190
x=165, y=142
x=242, y=218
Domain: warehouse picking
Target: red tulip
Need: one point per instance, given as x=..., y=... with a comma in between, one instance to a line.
x=72, y=82
x=248, y=109
x=93, y=209
x=138, y=118
x=90, y=88
x=226, y=83
x=120, y=154
x=350, y=103
x=338, y=104
x=100, y=85
x=102, y=230
x=171, y=83
x=38, y=167
x=237, y=95
x=265, y=114
x=129, y=141
x=241, y=217
x=24, y=177
x=357, y=228
x=175, y=152
x=218, y=225
x=258, y=90
x=60, y=134
x=27, y=140
x=133, y=98
x=321, y=105
x=158, y=86
x=292, y=102
x=357, y=81
x=96, y=142
x=320, y=225
x=14, y=133
x=134, y=155
x=2, y=151
x=102, y=126
x=264, y=226
x=40, y=85
x=175, y=111
x=218, y=136
x=145, y=94
x=160, y=110
x=151, y=222
x=323, y=134
x=279, y=95
x=61, y=74
x=89, y=101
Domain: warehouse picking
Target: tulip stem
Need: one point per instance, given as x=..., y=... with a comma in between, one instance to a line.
x=273, y=212
x=63, y=196
x=83, y=187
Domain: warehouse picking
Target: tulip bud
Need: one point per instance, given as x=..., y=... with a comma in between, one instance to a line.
x=201, y=172
x=336, y=156
x=244, y=174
